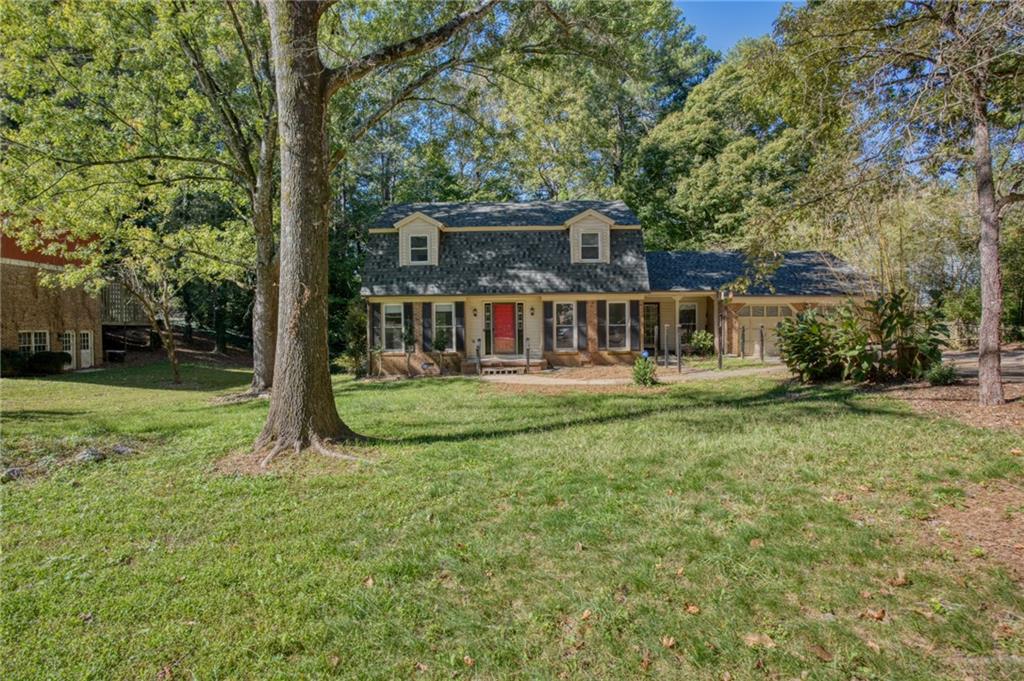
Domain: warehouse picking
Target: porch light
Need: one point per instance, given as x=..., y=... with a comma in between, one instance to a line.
x=531, y=310
x=474, y=311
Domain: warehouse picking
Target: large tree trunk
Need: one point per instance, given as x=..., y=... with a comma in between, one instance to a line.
x=302, y=409
x=264, y=305
x=990, y=385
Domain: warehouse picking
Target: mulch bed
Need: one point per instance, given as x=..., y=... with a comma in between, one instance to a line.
x=960, y=402
x=987, y=525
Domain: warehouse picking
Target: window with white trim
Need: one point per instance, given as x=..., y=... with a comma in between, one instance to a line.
x=590, y=246
x=67, y=342
x=394, y=325
x=565, y=326
x=85, y=340
x=617, y=322
x=419, y=249
x=444, y=320
x=33, y=341
x=687, y=321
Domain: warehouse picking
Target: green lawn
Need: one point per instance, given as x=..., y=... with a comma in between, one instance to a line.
x=542, y=536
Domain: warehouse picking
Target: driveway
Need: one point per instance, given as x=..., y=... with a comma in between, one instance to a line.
x=966, y=363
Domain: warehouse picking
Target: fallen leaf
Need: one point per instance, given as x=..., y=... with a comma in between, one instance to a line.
x=873, y=646
x=165, y=674
x=468, y=661
x=756, y=543
x=759, y=641
x=899, y=580
x=86, y=617
x=865, y=594
x=335, y=661
x=668, y=642
x=821, y=653
x=726, y=676
x=368, y=582
x=875, y=614
x=421, y=667
x=1017, y=451
x=693, y=608
x=679, y=572
x=586, y=615
x=645, y=661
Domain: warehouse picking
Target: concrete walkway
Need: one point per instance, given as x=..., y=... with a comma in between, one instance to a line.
x=966, y=364
x=552, y=378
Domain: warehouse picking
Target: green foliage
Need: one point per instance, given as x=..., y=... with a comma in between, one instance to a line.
x=807, y=345
x=13, y=362
x=645, y=371
x=354, y=357
x=702, y=343
x=706, y=173
x=888, y=339
x=49, y=362
x=941, y=374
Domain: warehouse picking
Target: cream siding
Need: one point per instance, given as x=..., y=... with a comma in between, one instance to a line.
x=418, y=228
x=590, y=225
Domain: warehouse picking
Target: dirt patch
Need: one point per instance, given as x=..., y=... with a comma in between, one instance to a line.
x=960, y=402
x=238, y=398
x=987, y=525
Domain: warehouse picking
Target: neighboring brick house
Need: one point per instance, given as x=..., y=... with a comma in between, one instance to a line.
x=35, y=318
x=568, y=282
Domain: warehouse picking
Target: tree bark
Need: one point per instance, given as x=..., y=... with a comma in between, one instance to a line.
x=990, y=383
x=264, y=306
x=302, y=408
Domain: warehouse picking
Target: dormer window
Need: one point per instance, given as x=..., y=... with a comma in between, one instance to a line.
x=419, y=249
x=590, y=246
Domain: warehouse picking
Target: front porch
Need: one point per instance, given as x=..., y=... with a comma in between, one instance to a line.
x=669, y=322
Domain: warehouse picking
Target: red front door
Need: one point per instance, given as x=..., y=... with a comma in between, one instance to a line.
x=504, y=328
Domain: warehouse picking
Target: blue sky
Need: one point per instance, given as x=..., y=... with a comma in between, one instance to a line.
x=726, y=22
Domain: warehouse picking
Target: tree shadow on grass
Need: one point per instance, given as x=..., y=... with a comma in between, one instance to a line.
x=562, y=412
x=156, y=376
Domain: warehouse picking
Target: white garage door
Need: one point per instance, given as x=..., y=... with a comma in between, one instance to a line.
x=752, y=318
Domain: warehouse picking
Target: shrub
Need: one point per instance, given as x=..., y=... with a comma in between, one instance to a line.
x=703, y=343
x=13, y=363
x=808, y=347
x=48, y=362
x=353, y=358
x=941, y=374
x=887, y=339
x=645, y=371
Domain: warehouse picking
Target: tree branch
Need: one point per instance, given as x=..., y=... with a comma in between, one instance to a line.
x=337, y=78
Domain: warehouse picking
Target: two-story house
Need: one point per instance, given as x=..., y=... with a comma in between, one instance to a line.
x=567, y=282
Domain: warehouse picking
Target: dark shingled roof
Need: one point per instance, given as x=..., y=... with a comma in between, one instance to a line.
x=802, y=273
x=482, y=262
x=484, y=214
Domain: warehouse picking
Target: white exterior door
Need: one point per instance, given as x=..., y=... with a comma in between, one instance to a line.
x=84, y=349
x=67, y=344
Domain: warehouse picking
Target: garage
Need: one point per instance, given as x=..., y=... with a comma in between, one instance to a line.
x=752, y=318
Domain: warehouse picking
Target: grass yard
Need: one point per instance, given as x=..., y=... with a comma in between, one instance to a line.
x=743, y=526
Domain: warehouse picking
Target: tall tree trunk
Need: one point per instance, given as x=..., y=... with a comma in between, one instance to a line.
x=264, y=305
x=302, y=409
x=990, y=383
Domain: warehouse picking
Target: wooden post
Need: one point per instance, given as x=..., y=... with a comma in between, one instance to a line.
x=667, y=327
x=479, y=368
x=761, y=351
x=721, y=331
x=527, y=355
x=743, y=341
x=679, y=349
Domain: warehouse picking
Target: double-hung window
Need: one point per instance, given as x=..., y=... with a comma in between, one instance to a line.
x=590, y=246
x=33, y=341
x=444, y=324
x=67, y=342
x=419, y=249
x=394, y=324
x=565, y=326
x=687, y=320
x=618, y=325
